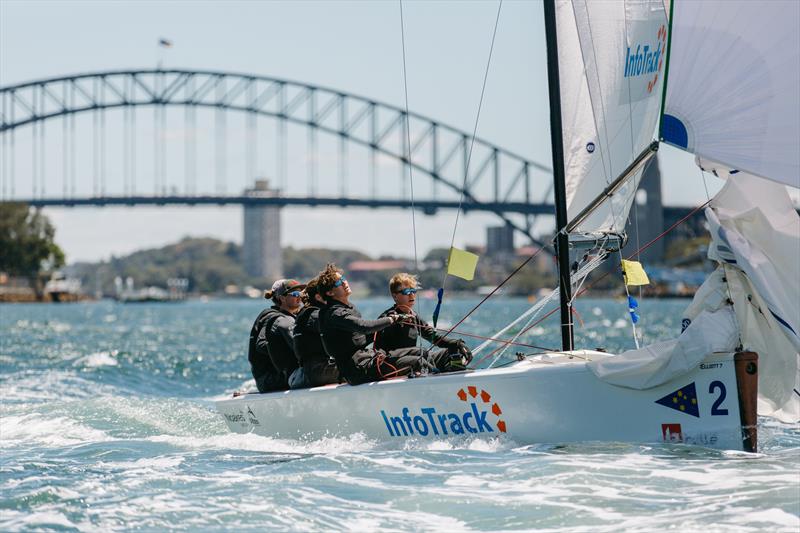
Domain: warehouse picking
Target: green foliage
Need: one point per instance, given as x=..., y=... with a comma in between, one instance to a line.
x=307, y=263
x=27, y=245
x=210, y=265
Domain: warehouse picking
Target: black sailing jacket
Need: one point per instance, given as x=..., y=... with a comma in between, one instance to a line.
x=344, y=334
x=260, y=363
x=404, y=334
x=276, y=339
x=307, y=344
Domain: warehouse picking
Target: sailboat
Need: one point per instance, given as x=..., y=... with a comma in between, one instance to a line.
x=625, y=76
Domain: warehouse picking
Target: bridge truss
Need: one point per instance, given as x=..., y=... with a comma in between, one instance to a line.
x=498, y=180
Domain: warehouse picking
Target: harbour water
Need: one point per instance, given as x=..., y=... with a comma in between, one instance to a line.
x=107, y=423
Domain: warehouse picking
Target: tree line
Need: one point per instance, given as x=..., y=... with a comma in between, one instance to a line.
x=27, y=244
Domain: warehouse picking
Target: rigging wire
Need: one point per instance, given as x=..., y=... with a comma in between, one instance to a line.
x=635, y=200
x=494, y=339
x=580, y=275
x=407, y=156
x=474, y=133
x=600, y=278
x=528, y=260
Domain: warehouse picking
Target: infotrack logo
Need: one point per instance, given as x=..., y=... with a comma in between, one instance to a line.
x=430, y=422
x=647, y=58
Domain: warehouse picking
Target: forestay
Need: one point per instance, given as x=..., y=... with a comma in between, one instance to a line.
x=732, y=92
x=612, y=57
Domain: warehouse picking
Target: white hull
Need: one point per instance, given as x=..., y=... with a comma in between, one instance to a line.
x=554, y=399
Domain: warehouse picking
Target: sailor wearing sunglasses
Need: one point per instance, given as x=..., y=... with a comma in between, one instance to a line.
x=346, y=337
x=406, y=332
x=274, y=337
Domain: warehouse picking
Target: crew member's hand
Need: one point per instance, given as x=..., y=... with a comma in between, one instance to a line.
x=464, y=350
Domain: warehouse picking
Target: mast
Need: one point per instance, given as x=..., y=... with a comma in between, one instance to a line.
x=557, y=144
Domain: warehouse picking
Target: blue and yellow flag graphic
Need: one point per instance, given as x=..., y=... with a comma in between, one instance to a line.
x=683, y=400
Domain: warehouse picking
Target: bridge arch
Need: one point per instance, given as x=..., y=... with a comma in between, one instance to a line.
x=437, y=150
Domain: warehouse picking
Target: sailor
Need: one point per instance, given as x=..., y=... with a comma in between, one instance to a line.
x=275, y=336
x=317, y=368
x=267, y=377
x=405, y=333
x=344, y=337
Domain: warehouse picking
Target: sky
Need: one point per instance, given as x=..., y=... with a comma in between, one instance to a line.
x=352, y=46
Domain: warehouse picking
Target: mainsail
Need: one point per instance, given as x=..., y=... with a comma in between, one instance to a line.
x=611, y=56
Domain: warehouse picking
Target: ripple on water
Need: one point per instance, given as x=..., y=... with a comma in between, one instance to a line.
x=107, y=423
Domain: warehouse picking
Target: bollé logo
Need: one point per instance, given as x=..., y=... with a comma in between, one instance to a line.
x=642, y=59
x=430, y=422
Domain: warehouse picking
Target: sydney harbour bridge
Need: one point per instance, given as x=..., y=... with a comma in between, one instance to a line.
x=190, y=137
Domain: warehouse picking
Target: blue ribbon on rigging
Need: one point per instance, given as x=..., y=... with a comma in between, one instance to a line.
x=633, y=305
x=439, y=296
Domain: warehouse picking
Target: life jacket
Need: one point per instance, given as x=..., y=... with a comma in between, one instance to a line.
x=281, y=350
x=260, y=362
x=306, y=338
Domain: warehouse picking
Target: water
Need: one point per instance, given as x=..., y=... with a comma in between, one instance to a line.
x=107, y=423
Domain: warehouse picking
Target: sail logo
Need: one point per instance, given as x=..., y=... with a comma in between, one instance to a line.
x=430, y=422
x=647, y=58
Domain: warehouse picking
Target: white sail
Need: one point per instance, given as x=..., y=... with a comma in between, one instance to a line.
x=732, y=87
x=755, y=238
x=611, y=65
x=755, y=233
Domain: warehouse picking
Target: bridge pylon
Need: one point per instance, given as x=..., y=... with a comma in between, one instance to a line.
x=261, y=250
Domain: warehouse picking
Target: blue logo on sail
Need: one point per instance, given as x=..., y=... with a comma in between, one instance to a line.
x=642, y=60
x=646, y=58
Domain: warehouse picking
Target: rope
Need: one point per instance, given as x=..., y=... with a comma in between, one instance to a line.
x=534, y=254
x=407, y=154
x=534, y=309
x=581, y=274
x=474, y=133
x=628, y=296
x=495, y=339
x=583, y=290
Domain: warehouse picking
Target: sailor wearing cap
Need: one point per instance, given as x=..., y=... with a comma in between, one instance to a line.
x=271, y=354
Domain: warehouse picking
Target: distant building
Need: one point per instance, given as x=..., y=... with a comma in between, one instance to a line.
x=263, y=257
x=543, y=261
x=499, y=240
x=646, y=220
